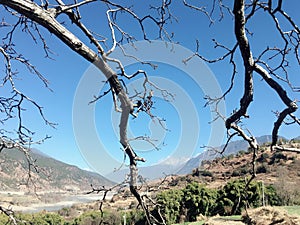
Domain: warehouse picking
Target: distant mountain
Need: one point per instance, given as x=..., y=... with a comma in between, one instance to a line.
x=38, y=152
x=297, y=138
x=159, y=170
x=150, y=173
x=233, y=148
x=52, y=175
x=195, y=162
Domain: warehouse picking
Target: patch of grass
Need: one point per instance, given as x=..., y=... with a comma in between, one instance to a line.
x=293, y=210
x=221, y=218
x=192, y=223
x=234, y=217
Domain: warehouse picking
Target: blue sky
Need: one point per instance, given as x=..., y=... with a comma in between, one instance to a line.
x=67, y=69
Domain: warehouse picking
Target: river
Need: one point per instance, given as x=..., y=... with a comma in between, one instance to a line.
x=18, y=203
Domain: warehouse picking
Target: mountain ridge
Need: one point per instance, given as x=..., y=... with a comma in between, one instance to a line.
x=233, y=147
x=60, y=176
x=52, y=174
x=160, y=170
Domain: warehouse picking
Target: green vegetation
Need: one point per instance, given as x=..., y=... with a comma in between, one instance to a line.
x=205, y=173
x=263, y=158
x=262, y=169
x=241, y=153
x=277, y=157
x=86, y=218
x=170, y=204
x=293, y=209
x=235, y=196
x=273, y=197
x=194, y=223
x=221, y=218
x=176, y=206
x=196, y=199
x=42, y=218
x=240, y=171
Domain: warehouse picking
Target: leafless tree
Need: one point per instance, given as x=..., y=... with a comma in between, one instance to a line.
x=271, y=64
x=32, y=16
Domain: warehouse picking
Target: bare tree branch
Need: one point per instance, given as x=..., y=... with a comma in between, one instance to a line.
x=10, y=213
x=46, y=16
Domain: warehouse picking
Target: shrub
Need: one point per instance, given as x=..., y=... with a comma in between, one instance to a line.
x=277, y=157
x=231, y=156
x=263, y=157
x=234, y=197
x=206, y=173
x=4, y=219
x=42, y=218
x=136, y=217
x=94, y=217
x=262, y=169
x=272, y=197
x=241, y=153
x=197, y=199
x=240, y=172
x=170, y=205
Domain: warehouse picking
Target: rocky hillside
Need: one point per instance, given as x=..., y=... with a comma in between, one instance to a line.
x=280, y=168
x=270, y=167
x=52, y=175
x=233, y=148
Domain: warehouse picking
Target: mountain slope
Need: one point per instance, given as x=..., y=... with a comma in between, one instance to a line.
x=150, y=172
x=160, y=170
x=232, y=148
x=52, y=174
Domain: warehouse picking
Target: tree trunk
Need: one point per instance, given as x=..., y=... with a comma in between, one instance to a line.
x=46, y=18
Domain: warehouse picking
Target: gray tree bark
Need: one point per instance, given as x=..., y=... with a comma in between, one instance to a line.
x=47, y=19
